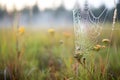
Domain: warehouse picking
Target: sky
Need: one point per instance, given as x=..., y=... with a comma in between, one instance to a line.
x=11, y=5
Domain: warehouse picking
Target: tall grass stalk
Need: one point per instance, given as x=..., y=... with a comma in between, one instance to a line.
x=17, y=37
x=111, y=35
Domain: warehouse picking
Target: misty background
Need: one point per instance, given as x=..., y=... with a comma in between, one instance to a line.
x=48, y=17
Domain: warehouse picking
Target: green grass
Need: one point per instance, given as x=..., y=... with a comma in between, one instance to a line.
x=45, y=57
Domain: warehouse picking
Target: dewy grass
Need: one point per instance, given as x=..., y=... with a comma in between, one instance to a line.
x=37, y=53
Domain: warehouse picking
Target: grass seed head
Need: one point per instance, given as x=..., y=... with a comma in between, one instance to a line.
x=61, y=41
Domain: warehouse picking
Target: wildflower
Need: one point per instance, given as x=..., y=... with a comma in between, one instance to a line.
x=66, y=34
x=103, y=46
x=97, y=47
x=21, y=30
x=106, y=40
x=51, y=31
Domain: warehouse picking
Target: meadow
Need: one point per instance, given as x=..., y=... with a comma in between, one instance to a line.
x=48, y=54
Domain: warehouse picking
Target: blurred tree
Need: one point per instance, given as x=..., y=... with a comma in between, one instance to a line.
x=2, y=13
x=118, y=11
x=61, y=12
x=35, y=9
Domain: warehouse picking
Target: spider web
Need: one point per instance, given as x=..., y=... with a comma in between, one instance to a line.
x=87, y=28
